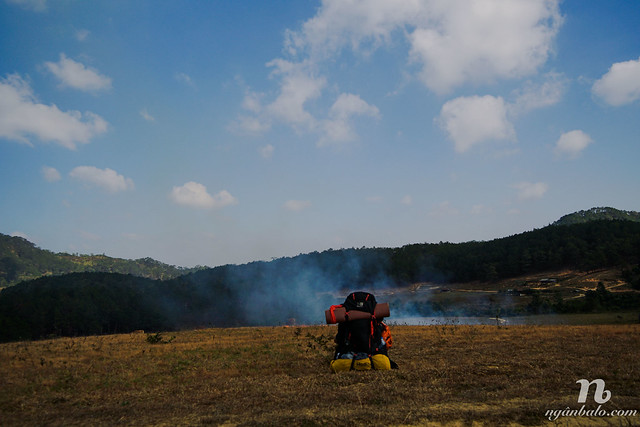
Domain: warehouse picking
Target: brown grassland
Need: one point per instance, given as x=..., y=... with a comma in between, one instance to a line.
x=449, y=374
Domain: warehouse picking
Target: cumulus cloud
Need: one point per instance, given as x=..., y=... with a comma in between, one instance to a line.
x=107, y=179
x=194, y=194
x=620, y=85
x=483, y=40
x=348, y=105
x=21, y=115
x=298, y=85
x=571, y=144
x=250, y=125
x=296, y=205
x=454, y=42
x=50, y=174
x=338, y=127
x=469, y=121
x=76, y=75
x=450, y=43
x=531, y=190
x=361, y=24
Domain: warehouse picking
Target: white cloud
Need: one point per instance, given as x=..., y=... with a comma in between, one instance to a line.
x=34, y=5
x=407, y=200
x=533, y=96
x=252, y=101
x=75, y=75
x=145, y=115
x=107, y=179
x=257, y=122
x=620, y=85
x=298, y=85
x=571, y=144
x=195, y=195
x=51, y=174
x=469, y=121
x=267, y=151
x=296, y=205
x=531, y=190
x=352, y=23
x=454, y=41
x=251, y=125
x=21, y=115
x=223, y=198
x=348, y=105
x=338, y=128
x=483, y=40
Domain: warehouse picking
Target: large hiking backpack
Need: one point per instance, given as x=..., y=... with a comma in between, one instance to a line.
x=359, y=342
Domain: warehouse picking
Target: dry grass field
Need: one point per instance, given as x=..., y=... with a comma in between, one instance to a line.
x=449, y=374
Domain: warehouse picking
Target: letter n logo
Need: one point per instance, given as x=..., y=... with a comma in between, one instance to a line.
x=600, y=396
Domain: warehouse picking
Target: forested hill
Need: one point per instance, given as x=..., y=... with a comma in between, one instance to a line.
x=595, y=214
x=548, y=248
x=301, y=287
x=586, y=246
x=21, y=260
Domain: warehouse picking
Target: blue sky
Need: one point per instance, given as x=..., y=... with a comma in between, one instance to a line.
x=226, y=132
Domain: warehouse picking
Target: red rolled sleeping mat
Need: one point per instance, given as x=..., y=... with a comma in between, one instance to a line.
x=337, y=314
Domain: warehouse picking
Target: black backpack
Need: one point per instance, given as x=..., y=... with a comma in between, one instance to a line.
x=360, y=335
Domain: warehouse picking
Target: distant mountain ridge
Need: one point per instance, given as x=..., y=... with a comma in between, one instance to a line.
x=21, y=260
x=595, y=214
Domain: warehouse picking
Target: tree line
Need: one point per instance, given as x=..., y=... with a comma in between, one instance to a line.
x=21, y=260
x=584, y=246
x=301, y=287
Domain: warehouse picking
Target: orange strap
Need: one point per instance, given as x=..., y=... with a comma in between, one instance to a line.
x=332, y=311
x=386, y=334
